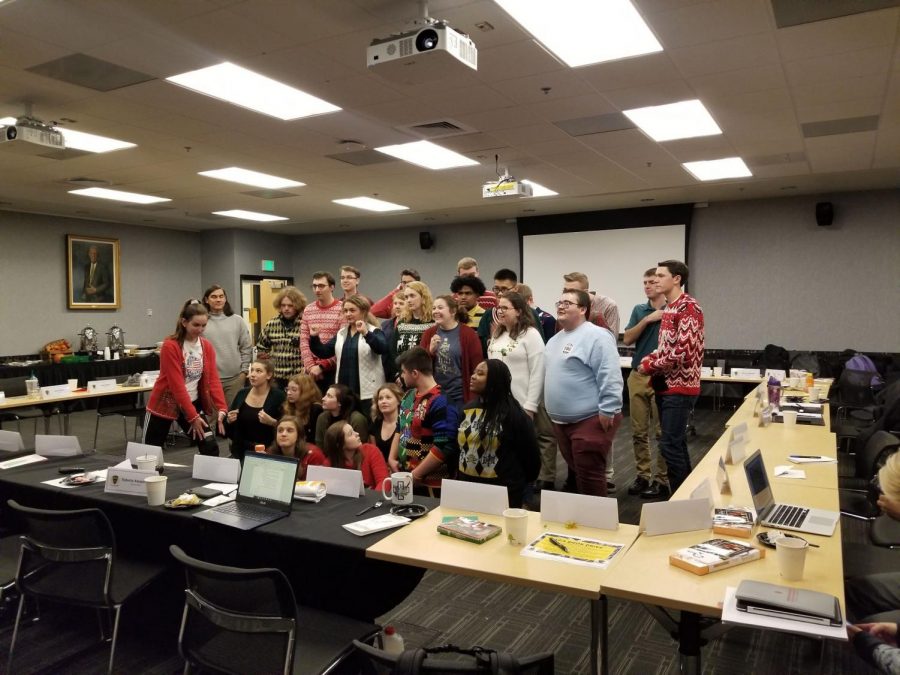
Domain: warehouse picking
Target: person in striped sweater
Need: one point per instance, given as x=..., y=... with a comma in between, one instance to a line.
x=326, y=315
x=674, y=367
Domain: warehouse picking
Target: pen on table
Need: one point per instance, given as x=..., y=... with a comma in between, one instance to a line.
x=807, y=456
x=809, y=543
x=558, y=545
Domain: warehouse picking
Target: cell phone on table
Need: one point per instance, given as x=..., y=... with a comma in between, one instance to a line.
x=205, y=492
x=67, y=470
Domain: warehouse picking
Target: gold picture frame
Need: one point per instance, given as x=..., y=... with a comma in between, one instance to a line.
x=93, y=275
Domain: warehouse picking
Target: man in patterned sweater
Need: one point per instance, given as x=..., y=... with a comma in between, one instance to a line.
x=325, y=313
x=674, y=368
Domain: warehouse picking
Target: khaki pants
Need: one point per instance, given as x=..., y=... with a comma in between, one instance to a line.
x=231, y=386
x=643, y=410
x=546, y=439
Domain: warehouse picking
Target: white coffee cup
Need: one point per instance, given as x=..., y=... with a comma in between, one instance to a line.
x=789, y=417
x=146, y=463
x=717, y=371
x=73, y=384
x=791, y=555
x=516, y=521
x=401, y=491
x=813, y=394
x=156, y=490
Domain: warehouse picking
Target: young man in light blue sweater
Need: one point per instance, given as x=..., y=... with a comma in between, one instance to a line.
x=583, y=391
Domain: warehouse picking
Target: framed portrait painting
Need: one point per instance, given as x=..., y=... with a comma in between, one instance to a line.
x=93, y=272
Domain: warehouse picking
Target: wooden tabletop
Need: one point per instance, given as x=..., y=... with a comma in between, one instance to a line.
x=419, y=545
x=26, y=402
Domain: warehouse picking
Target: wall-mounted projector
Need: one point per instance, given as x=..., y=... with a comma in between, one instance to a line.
x=426, y=53
x=31, y=137
x=506, y=187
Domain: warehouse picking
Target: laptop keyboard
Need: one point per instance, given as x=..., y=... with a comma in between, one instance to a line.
x=791, y=516
x=245, y=511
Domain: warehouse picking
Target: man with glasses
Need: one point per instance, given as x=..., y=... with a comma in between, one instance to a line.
x=350, y=282
x=326, y=315
x=382, y=308
x=505, y=280
x=279, y=340
x=583, y=391
x=674, y=368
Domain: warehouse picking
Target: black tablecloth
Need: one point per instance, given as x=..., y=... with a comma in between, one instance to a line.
x=326, y=564
x=59, y=373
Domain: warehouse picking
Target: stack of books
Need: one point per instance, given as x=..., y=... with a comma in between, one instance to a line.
x=714, y=555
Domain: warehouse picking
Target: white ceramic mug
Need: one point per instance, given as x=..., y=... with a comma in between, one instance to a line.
x=401, y=491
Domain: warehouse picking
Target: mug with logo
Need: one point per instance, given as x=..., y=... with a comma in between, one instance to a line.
x=401, y=488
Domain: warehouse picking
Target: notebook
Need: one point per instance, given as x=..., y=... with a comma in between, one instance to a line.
x=265, y=493
x=757, y=597
x=784, y=516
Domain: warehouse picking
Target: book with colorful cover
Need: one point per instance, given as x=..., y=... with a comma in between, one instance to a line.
x=734, y=521
x=468, y=528
x=714, y=555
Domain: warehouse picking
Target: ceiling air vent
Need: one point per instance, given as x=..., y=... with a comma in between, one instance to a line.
x=441, y=128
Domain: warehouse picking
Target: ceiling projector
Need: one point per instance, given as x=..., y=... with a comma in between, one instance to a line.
x=31, y=136
x=425, y=53
x=506, y=187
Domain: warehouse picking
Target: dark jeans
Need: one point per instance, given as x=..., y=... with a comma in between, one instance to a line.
x=674, y=412
x=156, y=430
x=585, y=446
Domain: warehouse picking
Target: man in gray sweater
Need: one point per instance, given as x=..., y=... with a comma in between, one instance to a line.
x=230, y=337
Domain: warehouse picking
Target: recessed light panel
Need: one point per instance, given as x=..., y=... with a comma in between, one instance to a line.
x=685, y=119
x=717, y=169
x=538, y=190
x=370, y=204
x=581, y=32
x=79, y=140
x=247, y=89
x=427, y=154
x=249, y=215
x=119, y=195
x=235, y=174
x=7, y=121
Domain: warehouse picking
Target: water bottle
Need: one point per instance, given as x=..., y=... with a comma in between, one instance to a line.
x=392, y=640
x=32, y=386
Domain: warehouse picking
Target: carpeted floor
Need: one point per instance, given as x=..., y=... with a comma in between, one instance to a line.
x=444, y=608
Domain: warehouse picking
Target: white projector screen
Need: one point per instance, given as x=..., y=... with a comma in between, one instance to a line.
x=614, y=261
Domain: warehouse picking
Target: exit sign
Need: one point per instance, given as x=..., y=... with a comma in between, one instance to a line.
x=268, y=266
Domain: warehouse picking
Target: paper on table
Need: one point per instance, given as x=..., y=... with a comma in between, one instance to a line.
x=786, y=471
x=181, y=466
x=570, y=549
x=224, y=488
x=22, y=461
x=220, y=499
x=99, y=477
x=731, y=614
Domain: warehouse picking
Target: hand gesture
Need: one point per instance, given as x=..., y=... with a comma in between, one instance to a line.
x=232, y=416
x=655, y=316
x=198, y=428
x=313, y=330
x=361, y=327
x=394, y=464
x=315, y=372
x=435, y=344
x=267, y=419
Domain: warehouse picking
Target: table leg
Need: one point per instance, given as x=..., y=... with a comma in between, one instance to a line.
x=689, y=643
x=599, y=636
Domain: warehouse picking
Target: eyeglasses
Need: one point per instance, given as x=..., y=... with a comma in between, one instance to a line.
x=320, y=285
x=565, y=304
x=500, y=290
x=501, y=308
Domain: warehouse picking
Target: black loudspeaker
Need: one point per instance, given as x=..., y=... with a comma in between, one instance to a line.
x=824, y=214
x=425, y=240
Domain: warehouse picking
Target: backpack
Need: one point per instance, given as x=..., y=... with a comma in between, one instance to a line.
x=775, y=358
x=864, y=364
x=807, y=361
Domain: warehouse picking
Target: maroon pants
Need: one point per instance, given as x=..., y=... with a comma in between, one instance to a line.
x=585, y=446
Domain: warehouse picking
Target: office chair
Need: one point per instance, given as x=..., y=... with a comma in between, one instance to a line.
x=486, y=661
x=125, y=405
x=246, y=621
x=854, y=493
x=15, y=386
x=70, y=557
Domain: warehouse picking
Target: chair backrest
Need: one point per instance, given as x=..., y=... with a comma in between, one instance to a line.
x=13, y=386
x=236, y=620
x=875, y=453
x=412, y=662
x=74, y=551
x=855, y=387
x=11, y=441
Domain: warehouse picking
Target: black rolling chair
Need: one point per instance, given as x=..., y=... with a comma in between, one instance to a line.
x=15, y=386
x=854, y=493
x=482, y=661
x=245, y=621
x=70, y=557
x=124, y=405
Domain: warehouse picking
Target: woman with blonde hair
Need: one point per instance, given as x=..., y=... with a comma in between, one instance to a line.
x=413, y=321
x=303, y=400
x=279, y=339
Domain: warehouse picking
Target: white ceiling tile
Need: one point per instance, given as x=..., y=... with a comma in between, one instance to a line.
x=743, y=80
x=721, y=20
x=835, y=36
x=872, y=61
x=847, y=152
x=887, y=149
x=839, y=110
x=554, y=110
x=865, y=87
x=628, y=73
x=530, y=134
x=722, y=56
x=661, y=93
x=559, y=84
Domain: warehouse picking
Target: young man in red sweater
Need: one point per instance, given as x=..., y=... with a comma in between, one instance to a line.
x=325, y=313
x=674, y=368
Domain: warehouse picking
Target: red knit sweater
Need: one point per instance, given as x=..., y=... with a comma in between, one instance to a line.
x=680, y=352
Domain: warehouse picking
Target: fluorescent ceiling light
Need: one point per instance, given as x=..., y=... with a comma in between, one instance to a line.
x=246, y=177
x=686, y=119
x=427, y=154
x=581, y=32
x=249, y=215
x=370, y=204
x=119, y=195
x=538, y=190
x=7, y=121
x=717, y=169
x=247, y=89
x=79, y=140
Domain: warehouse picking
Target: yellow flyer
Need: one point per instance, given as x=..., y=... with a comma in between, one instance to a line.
x=570, y=549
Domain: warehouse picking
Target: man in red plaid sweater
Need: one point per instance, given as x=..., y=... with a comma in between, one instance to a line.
x=674, y=367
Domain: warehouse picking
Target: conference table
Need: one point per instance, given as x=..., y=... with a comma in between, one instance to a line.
x=326, y=564
x=419, y=545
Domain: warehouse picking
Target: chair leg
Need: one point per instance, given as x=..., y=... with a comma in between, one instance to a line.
x=115, y=634
x=125, y=428
x=12, y=642
x=96, y=429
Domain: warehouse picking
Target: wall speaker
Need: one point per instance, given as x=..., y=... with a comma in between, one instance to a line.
x=824, y=214
x=426, y=241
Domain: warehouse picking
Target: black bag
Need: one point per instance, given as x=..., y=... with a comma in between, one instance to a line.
x=485, y=660
x=775, y=358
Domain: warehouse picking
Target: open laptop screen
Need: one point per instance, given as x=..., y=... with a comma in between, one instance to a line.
x=760, y=489
x=268, y=478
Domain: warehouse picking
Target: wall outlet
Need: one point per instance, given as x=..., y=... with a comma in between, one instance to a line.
x=149, y=312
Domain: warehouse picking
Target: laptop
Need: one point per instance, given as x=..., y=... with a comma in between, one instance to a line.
x=265, y=493
x=784, y=516
x=757, y=597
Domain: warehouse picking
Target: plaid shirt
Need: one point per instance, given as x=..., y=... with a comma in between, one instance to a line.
x=281, y=341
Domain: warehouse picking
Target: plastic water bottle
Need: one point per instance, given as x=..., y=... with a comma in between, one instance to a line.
x=392, y=640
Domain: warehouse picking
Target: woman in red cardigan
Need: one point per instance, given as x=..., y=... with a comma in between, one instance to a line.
x=344, y=450
x=455, y=349
x=188, y=381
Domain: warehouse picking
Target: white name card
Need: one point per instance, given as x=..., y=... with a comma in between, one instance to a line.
x=736, y=451
x=127, y=481
x=704, y=491
x=343, y=482
x=779, y=375
x=722, y=478
x=101, y=385
x=682, y=515
x=586, y=510
x=148, y=378
x=739, y=431
x=745, y=372
x=55, y=391
x=466, y=496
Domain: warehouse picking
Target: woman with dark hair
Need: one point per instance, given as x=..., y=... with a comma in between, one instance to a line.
x=518, y=343
x=496, y=438
x=188, y=380
x=455, y=349
x=358, y=347
x=345, y=450
x=339, y=405
x=385, y=413
x=279, y=339
x=289, y=443
x=230, y=337
x=303, y=400
x=254, y=412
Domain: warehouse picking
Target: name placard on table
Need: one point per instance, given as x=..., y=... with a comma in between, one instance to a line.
x=55, y=391
x=127, y=481
x=101, y=385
